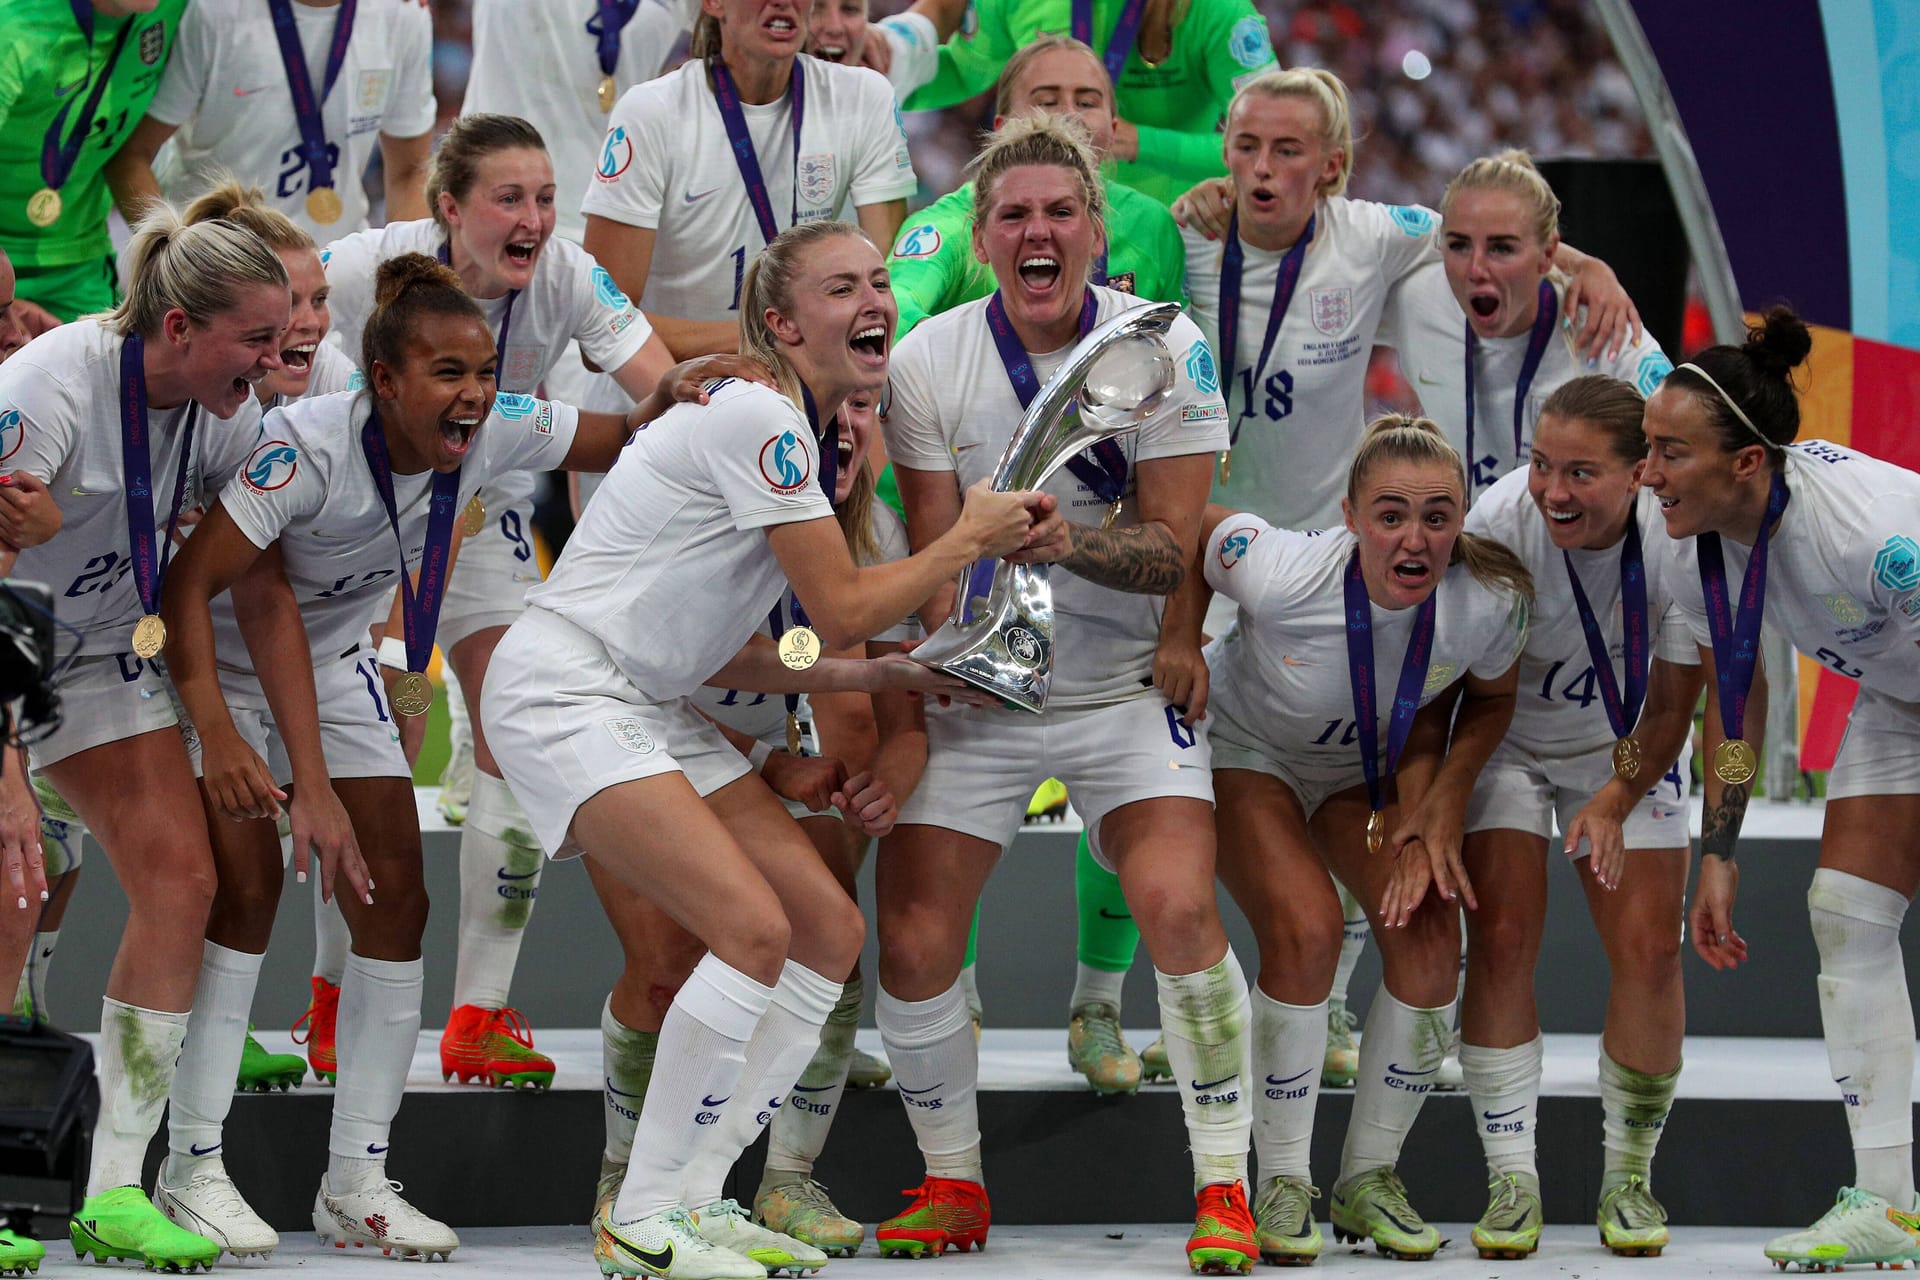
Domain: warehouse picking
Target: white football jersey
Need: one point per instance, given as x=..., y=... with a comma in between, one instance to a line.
x=764, y=715
x=571, y=297
x=665, y=163
x=1425, y=325
x=1560, y=711
x=670, y=566
x=308, y=486
x=1843, y=568
x=60, y=422
x=954, y=409
x=1283, y=672
x=916, y=51
x=1301, y=417
x=226, y=88
x=536, y=59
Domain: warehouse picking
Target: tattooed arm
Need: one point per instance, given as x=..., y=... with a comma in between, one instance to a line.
x=1149, y=558
x=1723, y=809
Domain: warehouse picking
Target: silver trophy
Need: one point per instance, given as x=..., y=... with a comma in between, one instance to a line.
x=999, y=636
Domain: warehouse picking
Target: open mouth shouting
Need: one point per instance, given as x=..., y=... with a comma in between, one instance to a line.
x=456, y=434
x=1040, y=273
x=522, y=252
x=1263, y=200
x=870, y=344
x=1484, y=303
x=298, y=359
x=782, y=28
x=1412, y=574
x=830, y=52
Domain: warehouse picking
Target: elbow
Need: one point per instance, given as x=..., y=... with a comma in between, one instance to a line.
x=839, y=635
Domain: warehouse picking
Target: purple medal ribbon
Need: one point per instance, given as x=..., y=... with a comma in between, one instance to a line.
x=1736, y=643
x=1544, y=319
x=1125, y=28
x=59, y=150
x=306, y=107
x=419, y=611
x=1100, y=266
x=445, y=254
x=735, y=119
x=605, y=27
x=1413, y=680
x=1231, y=260
x=1106, y=471
x=1622, y=716
x=828, y=442
x=136, y=461
x=778, y=628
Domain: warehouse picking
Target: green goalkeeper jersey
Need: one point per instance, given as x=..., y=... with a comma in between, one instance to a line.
x=1177, y=106
x=934, y=270
x=46, y=65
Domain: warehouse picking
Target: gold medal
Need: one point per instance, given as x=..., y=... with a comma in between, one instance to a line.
x=1376, y=831
x=43, y=207
x=1734, y=762
x=793, y=734
x=1113, y=513
x=606, y=94
x=1226, y=466
x=1626, y=759
x=323, y=206
x=473, y=517
x=149, y=635
x=799, y=648
x=412, y=694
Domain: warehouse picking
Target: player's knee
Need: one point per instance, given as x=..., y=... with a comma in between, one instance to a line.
x=178, y=881
x=247, y=897
x=911, y=957
x=1503, y=943
x=1649, y=954
x=844, y=933
x=758, y=945
x=1301, y=943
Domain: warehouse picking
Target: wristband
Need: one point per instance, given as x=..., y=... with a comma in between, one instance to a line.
x=393, y=653
x=758, y=756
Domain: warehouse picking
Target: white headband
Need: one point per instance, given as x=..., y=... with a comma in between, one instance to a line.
x=1727, y=400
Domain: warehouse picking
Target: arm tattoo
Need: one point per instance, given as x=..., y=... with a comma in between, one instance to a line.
x=1720, y=823
x=1142, y=559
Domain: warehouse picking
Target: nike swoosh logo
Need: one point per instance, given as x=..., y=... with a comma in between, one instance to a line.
x=962, y=448
x=1425, y=381
x=710, y=1101
x=660, y=1260
x=1214, y=1084
x=1295, y=662
x=623, y=1093
x=929, y=1089
x=1501, y=1115
x=504, y=874
x=82, y=493
x=1114, y=915
x=238, y=92
x=815, y=1088
x=374, y=1150
x=62, y=91
x=198, y=1150
x=1394, y=1068
x=692, y=198
x=1290, y=1079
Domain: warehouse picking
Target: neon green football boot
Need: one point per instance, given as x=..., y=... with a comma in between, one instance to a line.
x=19, y=1253
x=1860, y=1228
x=1373, y=1206
x=263, y=1072
x=122, y=1223
x=1510, y=1228
x=1632, y=1223
x=1283, y=1223
x=1096, y=1049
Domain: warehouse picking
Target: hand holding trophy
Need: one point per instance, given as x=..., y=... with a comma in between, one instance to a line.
x=999, y=636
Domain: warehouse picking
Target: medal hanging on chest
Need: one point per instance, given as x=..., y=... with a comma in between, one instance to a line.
x=60, y=146
x=799, y=647
x=419, y=607
x=1232, y=263
x=1736, y=640
x=1102, y=468
x=1623, y=711
x=1406, y=701
x=610, y=17
x=324, y=205
x=136, y=462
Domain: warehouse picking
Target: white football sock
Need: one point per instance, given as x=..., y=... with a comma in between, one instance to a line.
x=1504, y=1085
x=696, y=1073
x=1207, y=1021
x=799, y=1131
x=936, y=1066
x=626, y=1058
x=970, y=984
x=785, y=1041
x=31, y=991
x=331, y=937
x=1353, y=941
x=1399, y=1054
x=1634, y=1109
x=1096, y=986
x=138, y=1051
x=1867, y=1017
x=378, y=1028
x=203, y=1083
x=500, y=864
x=1289, y=1045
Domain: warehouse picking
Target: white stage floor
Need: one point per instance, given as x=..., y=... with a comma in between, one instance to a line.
x=1728, y=1067
x=1054, y=1253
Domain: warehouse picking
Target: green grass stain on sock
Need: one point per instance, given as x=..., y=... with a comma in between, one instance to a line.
x=520, y=885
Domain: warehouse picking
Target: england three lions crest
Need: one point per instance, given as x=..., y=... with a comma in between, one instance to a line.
x=816, y=180
x=1332, y=310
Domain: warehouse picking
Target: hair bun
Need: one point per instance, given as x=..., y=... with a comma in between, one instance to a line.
x=1779, y=343
x=411, y=270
